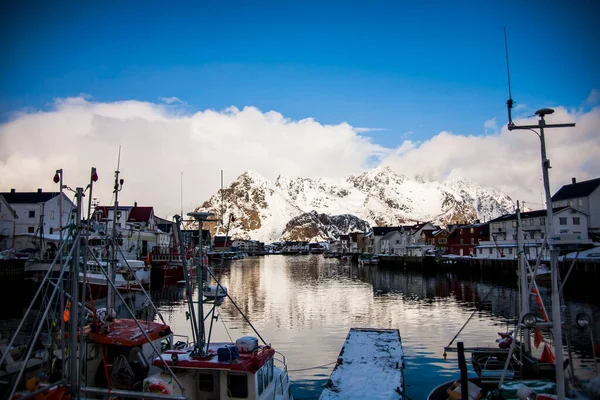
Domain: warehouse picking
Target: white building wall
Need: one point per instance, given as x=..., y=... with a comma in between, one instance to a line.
x=7, y=225
x=503, y=243
x=29, y=215
x=594, y=209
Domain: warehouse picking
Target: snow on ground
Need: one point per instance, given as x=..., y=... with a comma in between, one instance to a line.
x=370, y=366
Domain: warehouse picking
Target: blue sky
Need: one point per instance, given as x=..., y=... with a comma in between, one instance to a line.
x=419, y=67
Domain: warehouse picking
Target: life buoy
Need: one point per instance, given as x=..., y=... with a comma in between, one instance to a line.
x=157, y=387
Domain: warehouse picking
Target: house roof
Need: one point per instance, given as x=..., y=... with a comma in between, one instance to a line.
x=10, y=209
x=28, y=197
x=140, y=214
x=382, y=230
x=528, y=214
x=579, y=189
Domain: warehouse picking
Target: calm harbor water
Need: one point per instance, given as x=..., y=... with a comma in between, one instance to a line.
x=305, y=305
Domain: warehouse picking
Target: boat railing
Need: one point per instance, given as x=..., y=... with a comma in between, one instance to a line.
x=282, y=376
x=178, y=343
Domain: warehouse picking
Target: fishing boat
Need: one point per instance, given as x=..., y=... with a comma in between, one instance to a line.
x=89, y=350
x=219, y=370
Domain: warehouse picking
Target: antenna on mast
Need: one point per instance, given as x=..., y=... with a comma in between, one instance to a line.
x=509, y=103
x=181, y=199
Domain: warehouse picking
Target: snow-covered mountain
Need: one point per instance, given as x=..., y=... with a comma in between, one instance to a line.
x=314, y=209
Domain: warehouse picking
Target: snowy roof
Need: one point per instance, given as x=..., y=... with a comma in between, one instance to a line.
x=370, y=366
x=589, y=254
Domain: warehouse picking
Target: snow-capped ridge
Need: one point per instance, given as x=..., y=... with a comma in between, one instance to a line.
x=304, y=208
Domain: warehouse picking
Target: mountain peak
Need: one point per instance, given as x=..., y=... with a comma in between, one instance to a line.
x=305, y=209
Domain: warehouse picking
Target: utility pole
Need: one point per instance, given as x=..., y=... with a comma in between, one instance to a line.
x=554, y=251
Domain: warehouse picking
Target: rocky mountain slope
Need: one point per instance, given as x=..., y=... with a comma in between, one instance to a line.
x=316, y=209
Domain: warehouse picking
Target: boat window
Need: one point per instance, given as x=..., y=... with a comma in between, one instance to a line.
x=237, y=385
x=259, y=380
x=205, y=382
x=271, y=369
x=265, y=368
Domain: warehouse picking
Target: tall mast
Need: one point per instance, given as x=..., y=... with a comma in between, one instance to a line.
x=110, y=299
x=201, y=338
x=73, y=321
x=524, y=287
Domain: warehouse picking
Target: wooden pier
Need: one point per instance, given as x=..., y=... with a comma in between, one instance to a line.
x=370, y=366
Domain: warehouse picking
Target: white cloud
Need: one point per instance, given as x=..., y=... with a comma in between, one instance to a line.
x=490, y=125
x=170, y=100
x=365, y=130
x=593, y=98
x=508, y=160
x=159, y=142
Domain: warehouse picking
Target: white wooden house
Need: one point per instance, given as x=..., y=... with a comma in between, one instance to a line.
x=570, y=228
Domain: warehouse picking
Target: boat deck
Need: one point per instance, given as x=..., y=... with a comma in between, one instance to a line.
x=370, y=366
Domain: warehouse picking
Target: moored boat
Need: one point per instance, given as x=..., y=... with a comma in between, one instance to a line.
x=215, y=370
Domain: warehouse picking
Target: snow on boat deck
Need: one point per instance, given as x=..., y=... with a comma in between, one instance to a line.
x=370, y=366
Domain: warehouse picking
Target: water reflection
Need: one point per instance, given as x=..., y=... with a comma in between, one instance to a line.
x=305, y=306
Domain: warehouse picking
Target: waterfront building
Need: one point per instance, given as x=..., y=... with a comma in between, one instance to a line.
x=437, y=238
x=464, y=238
x=37, y=213
x=137, y=225
x=570, y=228
x=583, y=196
x=8, y=218
x=410, y=240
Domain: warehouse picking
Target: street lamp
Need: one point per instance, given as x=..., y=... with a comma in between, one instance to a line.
x=556, y=317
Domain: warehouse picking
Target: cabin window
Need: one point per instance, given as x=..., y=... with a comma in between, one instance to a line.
x=509, y=251
x=31, y=229
x=563, y=220
x=51, y=214
x=514, y=223
x=580, y=203
x=575, y=220
x=472, y=230
x=265, y=369
x=542, y=221
x=259, y=381
x=491, y=250
x=531, y=222
x=31, y=214
x=206, y=382
x=237, y=385
x=51, y=231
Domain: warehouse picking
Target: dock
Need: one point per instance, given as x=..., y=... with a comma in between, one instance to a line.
x=370, y=366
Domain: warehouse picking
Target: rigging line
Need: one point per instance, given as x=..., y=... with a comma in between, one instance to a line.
x=226, y=330
x=317, y=367
x=471, y=316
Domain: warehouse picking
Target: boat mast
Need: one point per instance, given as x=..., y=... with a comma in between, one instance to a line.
x=73, y=317
x=524, y=287
x=110, y=299
x=201, y=334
